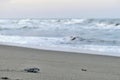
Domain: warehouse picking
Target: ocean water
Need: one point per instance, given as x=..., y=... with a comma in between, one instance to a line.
x=99, y=35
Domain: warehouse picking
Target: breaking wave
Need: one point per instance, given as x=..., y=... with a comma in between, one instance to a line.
x=38, y=23
x=86, y=34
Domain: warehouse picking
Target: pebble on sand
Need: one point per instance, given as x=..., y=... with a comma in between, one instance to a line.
x=5, y=78
x=83, y=69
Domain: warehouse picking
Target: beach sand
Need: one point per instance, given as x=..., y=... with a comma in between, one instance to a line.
x=56, y=65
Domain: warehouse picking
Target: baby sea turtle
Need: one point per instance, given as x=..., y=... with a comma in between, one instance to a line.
x=32, y=70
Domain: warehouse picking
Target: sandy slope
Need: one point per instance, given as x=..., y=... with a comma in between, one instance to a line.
x=56, y=65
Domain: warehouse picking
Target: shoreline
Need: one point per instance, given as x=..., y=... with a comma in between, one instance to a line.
x=61, y=49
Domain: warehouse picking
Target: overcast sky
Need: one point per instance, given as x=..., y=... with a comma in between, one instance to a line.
x=59, y=9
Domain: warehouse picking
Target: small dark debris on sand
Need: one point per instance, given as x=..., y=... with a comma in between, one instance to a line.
x=32, y=70
x=83, y=69
x=5, y=78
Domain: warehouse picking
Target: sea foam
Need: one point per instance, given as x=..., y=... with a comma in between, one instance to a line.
x=89, y=34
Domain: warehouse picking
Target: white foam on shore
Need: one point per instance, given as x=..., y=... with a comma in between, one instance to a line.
x=74, y=50
x=58, y=44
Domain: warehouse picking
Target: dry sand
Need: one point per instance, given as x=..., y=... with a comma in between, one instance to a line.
x=55, y=65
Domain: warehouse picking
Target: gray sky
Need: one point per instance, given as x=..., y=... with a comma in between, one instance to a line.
x=59, y=9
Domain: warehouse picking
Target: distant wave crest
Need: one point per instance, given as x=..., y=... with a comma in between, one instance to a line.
x=38, y=23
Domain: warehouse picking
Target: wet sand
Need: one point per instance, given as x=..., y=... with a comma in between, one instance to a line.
x=56, y=65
